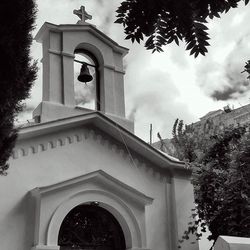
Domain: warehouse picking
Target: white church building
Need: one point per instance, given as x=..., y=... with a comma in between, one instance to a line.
x=79, y=178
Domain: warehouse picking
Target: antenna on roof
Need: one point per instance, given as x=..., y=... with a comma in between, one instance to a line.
x=227, y=109
x=150, y=136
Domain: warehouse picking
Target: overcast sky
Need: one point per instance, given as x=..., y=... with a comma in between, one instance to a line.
x=168, y=85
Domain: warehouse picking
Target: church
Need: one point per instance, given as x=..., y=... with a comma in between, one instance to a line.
x=79, y=177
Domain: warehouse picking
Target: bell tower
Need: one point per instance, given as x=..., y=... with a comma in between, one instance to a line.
x=60, y=44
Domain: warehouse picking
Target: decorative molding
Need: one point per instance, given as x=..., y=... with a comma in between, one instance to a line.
x=43, y=247
x=61, y=142
x=105, y=189
x=43, y=147
x=61, y=53
x=49, y=145
x=111, y=67
x=90, y=134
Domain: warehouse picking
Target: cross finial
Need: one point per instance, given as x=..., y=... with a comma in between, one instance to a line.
x=82, y=14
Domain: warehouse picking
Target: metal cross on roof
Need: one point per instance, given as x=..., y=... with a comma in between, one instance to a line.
x=82, y=14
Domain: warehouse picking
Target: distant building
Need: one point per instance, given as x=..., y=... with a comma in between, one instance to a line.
x=215, y=121
x=210, y=124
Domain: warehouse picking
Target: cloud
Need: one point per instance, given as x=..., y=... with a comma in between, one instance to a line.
x=26, y=114
x=29, y=107
x=224, y=81
x=84, y=92
x=219, y=73
x=230, y=92
x=107, y=21
x=152, y=98
x=237, y=87
x=132, y=113
x=160, y=88
x=178, y=54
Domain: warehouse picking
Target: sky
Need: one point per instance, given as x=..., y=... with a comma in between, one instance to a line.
x=170, y=84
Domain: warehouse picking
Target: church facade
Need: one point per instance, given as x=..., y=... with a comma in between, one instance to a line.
x=79, y=178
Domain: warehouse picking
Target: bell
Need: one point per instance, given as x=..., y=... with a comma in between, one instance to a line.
x=84, y=74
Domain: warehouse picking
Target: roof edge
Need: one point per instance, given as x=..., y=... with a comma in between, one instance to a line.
x=47, y=26
x=110, y=127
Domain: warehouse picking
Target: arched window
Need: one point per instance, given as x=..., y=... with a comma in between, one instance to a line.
x=87, y=94
x=90, y=227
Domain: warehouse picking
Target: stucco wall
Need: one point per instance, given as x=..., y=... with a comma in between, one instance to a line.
x=72, y=156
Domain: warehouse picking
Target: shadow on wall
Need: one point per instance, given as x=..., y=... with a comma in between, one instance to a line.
x=21, y=221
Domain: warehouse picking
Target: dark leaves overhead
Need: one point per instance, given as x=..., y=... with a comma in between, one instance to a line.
x=166, y=21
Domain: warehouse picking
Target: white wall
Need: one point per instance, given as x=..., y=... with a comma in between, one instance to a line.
x=84, y=155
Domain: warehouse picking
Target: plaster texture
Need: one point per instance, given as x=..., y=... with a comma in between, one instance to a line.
x=59, y=45
x=59, y=165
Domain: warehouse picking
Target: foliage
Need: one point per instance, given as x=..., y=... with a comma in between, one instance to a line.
x=182, y=137
x=167, y=21
x=247, y=69
x=17, y=72
x=221, y=180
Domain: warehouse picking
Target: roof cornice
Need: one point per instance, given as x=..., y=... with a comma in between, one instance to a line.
x=114, y=130
x=83, y=27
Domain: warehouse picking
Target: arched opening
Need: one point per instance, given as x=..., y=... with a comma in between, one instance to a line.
x=89, y=227
x=87, y=94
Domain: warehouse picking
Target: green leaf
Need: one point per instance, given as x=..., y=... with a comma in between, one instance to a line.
x=159, y=49
x=129, y=36
x=193, y=50
x=149, y=41
x=176, y=40
x=120, y=15
x=119, y=20
x=200, y=26
x=201, y=52
x=137, y=39
x=152, y=46
x=216, y=14
x=191, y=45
x=170, y=40
x=205, y=43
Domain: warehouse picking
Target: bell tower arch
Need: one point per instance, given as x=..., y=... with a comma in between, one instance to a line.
x=59, y=44
x=87, y=95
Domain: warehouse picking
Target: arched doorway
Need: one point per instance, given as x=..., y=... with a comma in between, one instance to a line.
x=90, y=227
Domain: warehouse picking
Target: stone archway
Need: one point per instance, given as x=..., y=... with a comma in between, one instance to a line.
x=89, y=226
